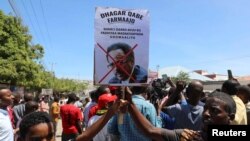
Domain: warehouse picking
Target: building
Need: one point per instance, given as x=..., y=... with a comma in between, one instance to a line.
x=175, y=70
x=213, y=76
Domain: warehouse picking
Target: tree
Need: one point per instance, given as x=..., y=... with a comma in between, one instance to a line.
x=182, y=76
x=20, y=60
x=18, y=57
x=69, y=85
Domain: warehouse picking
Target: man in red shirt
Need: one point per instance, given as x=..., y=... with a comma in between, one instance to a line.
x=71, y=119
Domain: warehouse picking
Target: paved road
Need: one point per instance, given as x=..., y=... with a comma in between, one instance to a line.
x=59, y=130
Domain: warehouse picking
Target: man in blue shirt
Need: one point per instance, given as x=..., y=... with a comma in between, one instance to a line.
x=127, y=130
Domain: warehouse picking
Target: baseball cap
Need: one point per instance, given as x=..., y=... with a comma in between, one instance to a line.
x=105, y=99
x=113, y=88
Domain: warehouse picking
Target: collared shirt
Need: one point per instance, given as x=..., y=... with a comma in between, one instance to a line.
x=127, y=130
x=6, y=130
x=186, y=116
x=241, y=114
x=86, y=112
x=139, y=75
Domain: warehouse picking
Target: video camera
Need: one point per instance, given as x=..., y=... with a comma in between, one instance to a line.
x=159, y=86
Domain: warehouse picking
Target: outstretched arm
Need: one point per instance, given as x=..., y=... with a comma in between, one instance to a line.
x=155, y=133
x=160, y=134
x=180, y=86
x=99, y=124
x=142, y=123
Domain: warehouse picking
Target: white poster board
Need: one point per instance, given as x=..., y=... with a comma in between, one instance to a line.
x=47, y=92
x=121, y=51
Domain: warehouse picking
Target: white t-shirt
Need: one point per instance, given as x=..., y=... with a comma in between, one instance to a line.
x=103, y=135
x=6, y=130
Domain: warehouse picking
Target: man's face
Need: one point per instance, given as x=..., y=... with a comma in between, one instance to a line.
x=6, y=97
x=215, y=113
x=125, y=65
x=41, y=132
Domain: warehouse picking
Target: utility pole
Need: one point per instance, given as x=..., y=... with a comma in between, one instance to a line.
x=53, y=73
x=52, y=66
x=157, y=69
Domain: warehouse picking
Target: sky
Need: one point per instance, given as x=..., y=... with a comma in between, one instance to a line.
x=211, y=35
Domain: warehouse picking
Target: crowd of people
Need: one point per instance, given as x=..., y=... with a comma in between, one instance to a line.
x=113, y=113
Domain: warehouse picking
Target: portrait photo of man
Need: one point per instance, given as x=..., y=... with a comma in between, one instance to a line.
x=121, y=50
x=121, y=58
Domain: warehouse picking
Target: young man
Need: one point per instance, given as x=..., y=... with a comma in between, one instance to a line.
x=101, y=122
x=71, y=119
x=244, y=94
x=37, y=126
x=6, y=130
x=105, y=101
x=19, y=109
x=230, y=87
x=219, y=109
x=55, y=111
x=188, y=115
x=124, y=127
x=88, y=106
x=30, y=107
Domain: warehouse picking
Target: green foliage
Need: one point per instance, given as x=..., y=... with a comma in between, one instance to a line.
x=19, y=60
x=66, y=85
x=182, y=76
x=17, y=56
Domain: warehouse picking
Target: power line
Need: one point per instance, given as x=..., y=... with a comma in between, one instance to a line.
x=46, y=27
x=18, y=14
x=14, y=8
x=45, y=21
x=32, y=25
x=39, y=27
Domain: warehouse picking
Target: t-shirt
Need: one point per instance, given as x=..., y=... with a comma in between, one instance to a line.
x=241, y=114
x=102, y=135
x=55, y=111
x=186, y=116
x=86, y=112
x=92, y=111
x=6, y=130
x=70, y=114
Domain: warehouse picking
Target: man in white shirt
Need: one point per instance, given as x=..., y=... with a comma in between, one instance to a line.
x=104, y=102
x=6, y=130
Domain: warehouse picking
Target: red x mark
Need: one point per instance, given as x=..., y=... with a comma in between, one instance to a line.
x=117, y=64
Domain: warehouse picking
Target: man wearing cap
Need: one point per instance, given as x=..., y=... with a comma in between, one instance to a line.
x=104, y=102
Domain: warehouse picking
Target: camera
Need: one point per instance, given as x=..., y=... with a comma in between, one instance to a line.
x=158, y=86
